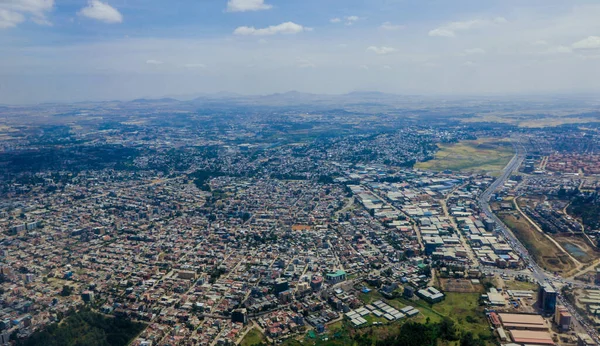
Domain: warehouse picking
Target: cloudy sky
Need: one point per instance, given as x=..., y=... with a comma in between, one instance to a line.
x=72, y=50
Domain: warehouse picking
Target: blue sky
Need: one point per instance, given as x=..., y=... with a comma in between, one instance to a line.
x=72, y=50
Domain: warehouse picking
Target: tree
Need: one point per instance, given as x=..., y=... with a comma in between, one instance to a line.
x=66, y=291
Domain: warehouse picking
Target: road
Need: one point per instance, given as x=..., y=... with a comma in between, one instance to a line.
x=538, y=273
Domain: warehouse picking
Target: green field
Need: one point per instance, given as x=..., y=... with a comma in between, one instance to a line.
x=464, y=309
x=253, y=337
x=482, y=155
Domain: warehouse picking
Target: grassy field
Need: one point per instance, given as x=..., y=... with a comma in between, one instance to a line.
x=252, y=338
x=484, y=155
x=368, y=298
x=527, y=122
x=545, y=253
x=464, y=309
x=520, y=285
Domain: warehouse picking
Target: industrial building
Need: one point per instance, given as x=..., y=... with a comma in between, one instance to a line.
x=528, y=337
x=523, y=322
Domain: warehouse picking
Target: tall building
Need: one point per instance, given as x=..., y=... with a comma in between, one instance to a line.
x=547, y=298
x=281, y=285
x=87, y=296
x=562, y=318
x=240, y=316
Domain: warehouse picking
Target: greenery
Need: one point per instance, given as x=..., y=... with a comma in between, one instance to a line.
x=66, y=291
x=253, y=338
x=86, y=328
x=417, y=334
x=587, y=208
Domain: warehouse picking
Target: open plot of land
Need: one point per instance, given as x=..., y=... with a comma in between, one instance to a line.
x=527, y=121
x=546, y=254
x=460, y=286
x=486, y=155
x=464, y=309
x=520, y=285
x=253, y=337
x=577, y=247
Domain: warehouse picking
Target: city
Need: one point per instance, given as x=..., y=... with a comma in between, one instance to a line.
x=285, y=172
x=215, y=236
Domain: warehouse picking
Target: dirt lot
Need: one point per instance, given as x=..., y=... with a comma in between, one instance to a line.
x=460, y=286
x=546, y=254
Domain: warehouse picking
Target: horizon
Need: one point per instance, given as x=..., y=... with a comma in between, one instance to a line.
x=224, y=95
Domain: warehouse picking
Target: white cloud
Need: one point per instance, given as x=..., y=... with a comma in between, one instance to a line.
x=450, y=29
x=592, y=42
x=386, y=67
x=154, y=62
x=381, y=50
x=540, y=43
x=12, y=12
x=440, y=32
x=101, y=11
x=195, y=65
x=283, y=28
x=390, y=26
x=247, y=5
x=305, y=63
x=348, y=20
x=560, y=49
x=41, y=21
x=471, y=51
x=9, y=19
x=469, y=63
x=351, y=19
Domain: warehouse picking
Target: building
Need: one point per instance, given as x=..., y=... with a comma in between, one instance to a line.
x=495, y=298
x=523, y=322
x=186, y=275
x=528, y=337
x=316, y=283
x=430, y=295
x=240, y=316
x=432, y=244
x=334, y=278
x=5, y=338
x=562, y=318
x=281, y=285
x=547, y=298
x=585, y=340
x=87, y=296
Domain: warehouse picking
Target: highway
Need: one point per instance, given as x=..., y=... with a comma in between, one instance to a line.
x=538, y=273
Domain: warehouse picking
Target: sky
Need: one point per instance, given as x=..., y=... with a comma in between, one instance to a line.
x=90, y=50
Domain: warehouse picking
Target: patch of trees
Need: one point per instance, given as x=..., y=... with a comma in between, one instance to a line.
x=86, y=328
x=587, y=208
x=203, y=177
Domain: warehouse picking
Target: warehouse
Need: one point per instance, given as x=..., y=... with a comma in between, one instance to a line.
x=528, y=337
x=523, y=322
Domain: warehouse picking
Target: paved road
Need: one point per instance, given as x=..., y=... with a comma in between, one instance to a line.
x=538, y=273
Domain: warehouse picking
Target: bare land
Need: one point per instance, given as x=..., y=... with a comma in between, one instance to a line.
x=483, y=155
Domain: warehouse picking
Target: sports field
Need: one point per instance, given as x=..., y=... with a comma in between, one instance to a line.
x=482, y=155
